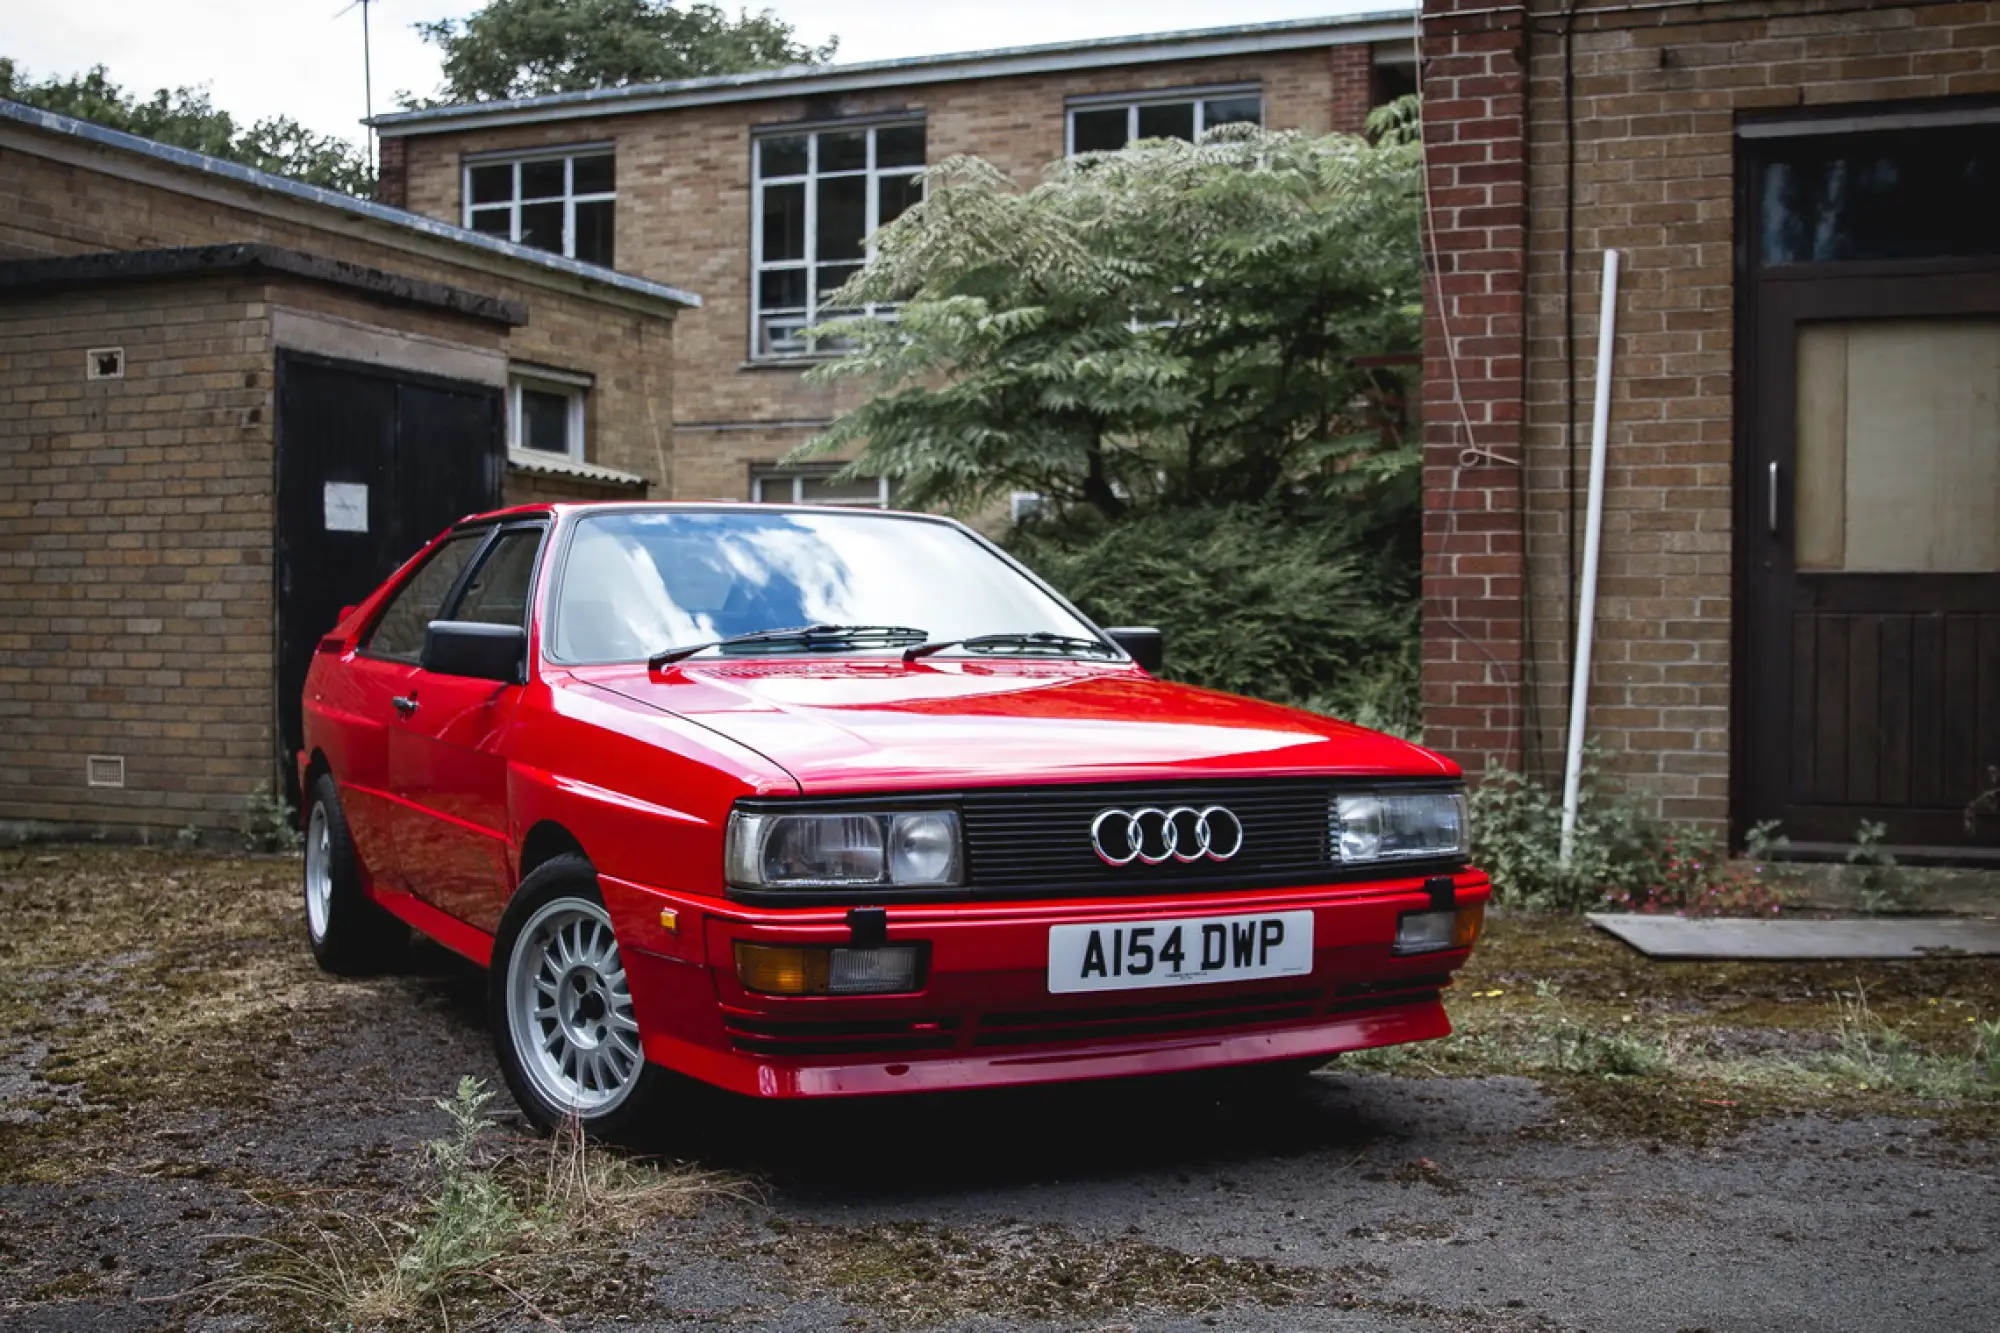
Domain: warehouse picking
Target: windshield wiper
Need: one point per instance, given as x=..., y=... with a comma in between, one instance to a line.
x=1041, y=642
x=812, y=638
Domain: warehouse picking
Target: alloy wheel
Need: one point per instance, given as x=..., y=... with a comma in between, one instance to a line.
x=569, y=1009
x=319, y=872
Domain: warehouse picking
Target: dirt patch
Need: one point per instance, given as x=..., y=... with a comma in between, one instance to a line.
x=921, y=1272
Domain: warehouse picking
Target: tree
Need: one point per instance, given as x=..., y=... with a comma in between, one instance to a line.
x=186, y=118
x=1173, y=324
x=1200, y=355
x=525, y=48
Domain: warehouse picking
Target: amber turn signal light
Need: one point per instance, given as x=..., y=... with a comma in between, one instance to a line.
x=1439, y=929
x=772, y=969
x=1465, y=931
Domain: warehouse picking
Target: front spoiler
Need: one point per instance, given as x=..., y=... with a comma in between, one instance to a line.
x=760, y=1077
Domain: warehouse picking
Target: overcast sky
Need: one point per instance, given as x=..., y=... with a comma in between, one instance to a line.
x=302, y=58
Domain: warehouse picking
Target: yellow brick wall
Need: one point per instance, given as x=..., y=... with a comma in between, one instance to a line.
x=135, y=555
x=50, y=207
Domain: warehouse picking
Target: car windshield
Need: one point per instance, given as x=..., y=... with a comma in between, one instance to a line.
x=639, y=582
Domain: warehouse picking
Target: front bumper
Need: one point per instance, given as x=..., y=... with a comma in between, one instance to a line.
x=985, y=1017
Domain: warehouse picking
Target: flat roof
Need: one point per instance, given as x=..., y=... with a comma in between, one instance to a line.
x=71, y=128
x=63, y=272
x=1386, y=25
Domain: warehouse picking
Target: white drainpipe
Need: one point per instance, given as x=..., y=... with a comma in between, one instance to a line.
x=1593, y=533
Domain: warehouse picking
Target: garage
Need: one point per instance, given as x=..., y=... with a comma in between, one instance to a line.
x=230, y=404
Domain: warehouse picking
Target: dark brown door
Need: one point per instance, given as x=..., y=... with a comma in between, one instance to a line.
x=1869, y=487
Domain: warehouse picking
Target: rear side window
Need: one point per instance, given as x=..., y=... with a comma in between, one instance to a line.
x=399, y=634
x=500, y=587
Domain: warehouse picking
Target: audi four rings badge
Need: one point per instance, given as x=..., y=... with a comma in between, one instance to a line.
x=1153, y=835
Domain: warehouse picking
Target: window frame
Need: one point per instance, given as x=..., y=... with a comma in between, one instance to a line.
x=1130, y=104
x=575, y=430
x=567, y=155
x=872, y=174
x=481, y=536
x=798, y=476
x=490, y=549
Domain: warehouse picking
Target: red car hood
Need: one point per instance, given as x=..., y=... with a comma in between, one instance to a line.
x=870, y=725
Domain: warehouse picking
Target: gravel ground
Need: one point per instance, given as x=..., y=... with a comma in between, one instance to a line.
x=173, y=1073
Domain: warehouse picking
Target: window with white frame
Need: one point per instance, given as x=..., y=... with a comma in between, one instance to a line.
x=560, y=201
x=817, y=486
x=1107, y=124
x=818, y=195
x=545, y=412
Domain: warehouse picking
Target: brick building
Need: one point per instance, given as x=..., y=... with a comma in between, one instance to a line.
x=230, y=404
x=759, y=189
x=1799, y=611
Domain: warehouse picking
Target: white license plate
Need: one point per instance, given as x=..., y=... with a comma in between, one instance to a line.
x=1188, y=951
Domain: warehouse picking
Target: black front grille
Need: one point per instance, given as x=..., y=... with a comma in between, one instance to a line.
x=1019, y=838
x=755, y=1035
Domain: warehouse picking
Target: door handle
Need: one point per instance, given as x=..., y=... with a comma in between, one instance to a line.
x=1771, y=499
x=405, y=704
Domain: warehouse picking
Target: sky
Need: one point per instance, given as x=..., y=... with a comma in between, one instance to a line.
x=302, y=58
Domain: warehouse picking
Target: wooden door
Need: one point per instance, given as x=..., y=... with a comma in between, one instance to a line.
x=372, y=463
x=1869, y=497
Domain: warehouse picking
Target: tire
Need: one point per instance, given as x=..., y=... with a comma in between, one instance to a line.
x=563, y=1025
x=349, y=932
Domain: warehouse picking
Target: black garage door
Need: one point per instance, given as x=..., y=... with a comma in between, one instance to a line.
x=372, y=463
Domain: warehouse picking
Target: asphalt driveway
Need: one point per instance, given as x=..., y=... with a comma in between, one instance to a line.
x=175, y=1077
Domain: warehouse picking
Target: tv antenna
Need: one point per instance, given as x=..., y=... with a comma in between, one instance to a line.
x=367, y=74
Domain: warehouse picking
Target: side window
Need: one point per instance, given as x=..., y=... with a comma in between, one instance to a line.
x=500, y=587
x=399, y=634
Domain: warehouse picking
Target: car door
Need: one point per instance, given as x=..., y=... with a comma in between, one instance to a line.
x=368, y=694
x=448, y=756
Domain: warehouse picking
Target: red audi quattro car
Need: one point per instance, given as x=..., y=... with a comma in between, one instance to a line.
x=813, y=802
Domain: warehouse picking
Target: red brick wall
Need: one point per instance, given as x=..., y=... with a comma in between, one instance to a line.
x=392, y=173
x=1473, y=78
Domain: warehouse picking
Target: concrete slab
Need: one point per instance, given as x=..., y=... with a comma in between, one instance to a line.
x=1904, y=937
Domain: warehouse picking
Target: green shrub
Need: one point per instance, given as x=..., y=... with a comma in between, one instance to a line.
x=1315, y=609
x=1517, y=840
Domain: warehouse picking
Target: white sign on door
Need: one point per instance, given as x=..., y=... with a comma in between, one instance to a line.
x=346, y=506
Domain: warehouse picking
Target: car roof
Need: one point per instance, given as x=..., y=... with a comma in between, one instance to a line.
x=563, y=508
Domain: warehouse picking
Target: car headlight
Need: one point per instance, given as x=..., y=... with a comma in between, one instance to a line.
x=1397, y=826
x=848, y=850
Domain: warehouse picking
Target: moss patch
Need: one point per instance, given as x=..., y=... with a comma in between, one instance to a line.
x=1686, y=1050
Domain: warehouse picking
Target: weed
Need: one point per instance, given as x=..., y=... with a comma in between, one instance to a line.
x=1576, y=1049
x=1695, y=878
x=498, y=1229
x=1876, y=1056
x=1883, y=885
x=1517, y=840
x=270, y=822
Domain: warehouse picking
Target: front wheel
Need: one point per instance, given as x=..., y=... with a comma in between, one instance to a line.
x=563, y=1024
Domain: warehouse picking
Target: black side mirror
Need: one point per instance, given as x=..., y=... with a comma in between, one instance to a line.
x=1147, y=645
x=469, y=648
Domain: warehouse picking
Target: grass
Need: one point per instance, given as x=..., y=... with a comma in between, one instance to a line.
x=1684, y=1050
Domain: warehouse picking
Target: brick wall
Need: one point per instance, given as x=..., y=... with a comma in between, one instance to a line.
x=135, y=555
x=1473, y=80
x=106, y=201
x=1655, y=106
x=683, y=209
